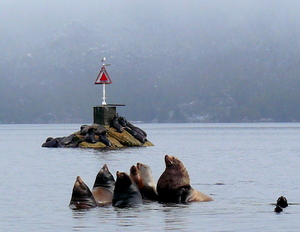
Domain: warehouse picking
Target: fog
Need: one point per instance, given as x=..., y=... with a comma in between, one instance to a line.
x=171, y=61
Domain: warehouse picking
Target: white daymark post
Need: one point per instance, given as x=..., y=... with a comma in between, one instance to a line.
x=103, y=79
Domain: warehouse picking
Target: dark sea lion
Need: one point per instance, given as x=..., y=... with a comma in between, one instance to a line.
x=135, y=128
x=104, y=139
x=84, y=129
x=115, y=124
x=51, y=142
x=126, y=193
x=136, y=135
x=67, y=140
x=278, y=209
x=148, y=189
x=100, y=130
x=174, y=184
x=82, y=197
x=282, y=202
x=90, y=136
x=104, y=185
x=122, y=121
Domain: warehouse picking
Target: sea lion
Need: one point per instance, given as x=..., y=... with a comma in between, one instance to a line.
x=115, y=124
x=90, y=136
x=103, y=188
x=148, y=189
x=104, y=139
x=51, y=142
x=136, y=135
x=135, y=176
x=174, y=184
x=135, y=128
x=126, y=193
x=122, y=121
x=82, y=197
x=278, y=209
x=100, y=130
x=84, y=129
x=282, y=202
x=67, y=140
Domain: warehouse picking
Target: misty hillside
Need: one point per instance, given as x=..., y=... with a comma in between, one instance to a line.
x=171, y=61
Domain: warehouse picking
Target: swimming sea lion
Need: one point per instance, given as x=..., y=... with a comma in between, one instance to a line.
x=126, y=193
x=278, y=209
x=135, y=176
x=148, y=189
x=82, y=197
x=282, y=202
x=174, y=184
x=104, y=185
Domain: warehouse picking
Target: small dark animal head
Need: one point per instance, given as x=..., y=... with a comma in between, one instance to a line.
x=282, y=202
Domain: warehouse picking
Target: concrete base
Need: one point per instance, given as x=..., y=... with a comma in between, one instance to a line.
x=103, y=115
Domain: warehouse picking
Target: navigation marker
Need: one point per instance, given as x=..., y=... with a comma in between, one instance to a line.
x=103, y=78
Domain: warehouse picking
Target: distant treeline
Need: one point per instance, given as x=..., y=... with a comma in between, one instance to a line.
x=169, y=72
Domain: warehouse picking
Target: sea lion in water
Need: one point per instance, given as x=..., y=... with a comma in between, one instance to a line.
x=142, y=176
x=126, y=193
x=104, y=185
x=174, y=184
x=82, y=197
x=282, y=202
x=278, y=209
x=135, y=176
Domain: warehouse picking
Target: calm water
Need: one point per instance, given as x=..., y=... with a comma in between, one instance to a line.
x=244, y=167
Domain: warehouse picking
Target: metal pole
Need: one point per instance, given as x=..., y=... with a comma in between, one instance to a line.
x=104, y=98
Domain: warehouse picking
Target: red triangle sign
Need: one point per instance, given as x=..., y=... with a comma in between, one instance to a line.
x=103, y=77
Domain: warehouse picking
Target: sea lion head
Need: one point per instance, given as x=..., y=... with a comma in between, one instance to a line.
x=145, y=173
x=90, y=131
x=174, y=163
x=80, y=188
x=104, y=178
x=134, y=170
x=82, y=197
x=278, y=209
x=175, y=175
x=143, y=167
x=135, y=176
x=282, y=202
x=126, y=193
x=123, y=181
x=49, y=139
